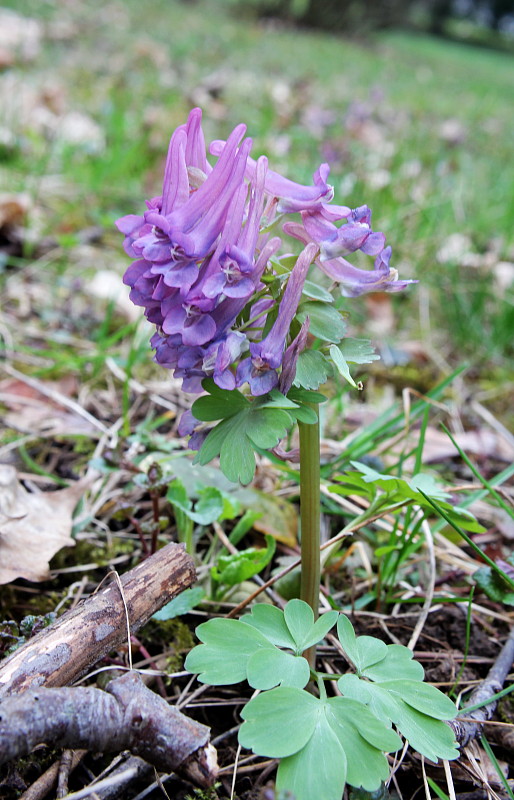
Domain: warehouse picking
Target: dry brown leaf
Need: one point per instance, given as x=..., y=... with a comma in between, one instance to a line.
x=30, y=411
x=480, y=443
x=33, y=526
x=13, y=208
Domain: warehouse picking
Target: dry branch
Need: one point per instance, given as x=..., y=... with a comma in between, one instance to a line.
x=466, y=730
x=64, y=652
x=127, y=716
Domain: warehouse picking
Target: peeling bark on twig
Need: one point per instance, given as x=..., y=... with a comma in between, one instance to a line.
x=63, y=652
x=127, y=716
x=465, y=731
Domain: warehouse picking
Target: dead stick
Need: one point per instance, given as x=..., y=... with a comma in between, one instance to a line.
x=127, y=716
x=46, y=782
x=63, y=652
x=491, y=685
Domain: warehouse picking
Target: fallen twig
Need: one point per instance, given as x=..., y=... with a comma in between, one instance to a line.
x=63, y=652
x=466, y=730
x=127, y=716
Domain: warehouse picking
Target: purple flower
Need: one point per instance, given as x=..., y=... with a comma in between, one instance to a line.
x=260, y=370
x=292, y=196
x=355, y=234
x=354, y=281
x=203, y=261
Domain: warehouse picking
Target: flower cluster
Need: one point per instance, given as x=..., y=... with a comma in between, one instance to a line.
x=204, y=259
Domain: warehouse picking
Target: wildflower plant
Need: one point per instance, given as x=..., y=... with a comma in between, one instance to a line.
x=256, y=330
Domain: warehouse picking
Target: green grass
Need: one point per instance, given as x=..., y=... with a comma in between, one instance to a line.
x=136, y=72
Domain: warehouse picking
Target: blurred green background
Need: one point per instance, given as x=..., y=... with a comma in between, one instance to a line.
x=418, y=126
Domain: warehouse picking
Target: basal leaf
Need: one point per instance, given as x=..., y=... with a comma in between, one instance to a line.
x=431, y=737
x=325, y=321
x=318, y=770
x=269, y=620
x=363, y=651
x=367, y=764
x=398, y=661
x=429, y=485
x=269, y=668
x=299, y=619
x=320, y=629
x=312, y=369
x=374, y=730
x=280, y=722
x=423, y=697
x=223, y=656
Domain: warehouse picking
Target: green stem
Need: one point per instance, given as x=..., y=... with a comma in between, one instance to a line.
x=310, y=512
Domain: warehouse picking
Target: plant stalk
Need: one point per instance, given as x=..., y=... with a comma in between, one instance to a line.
x=310, y=514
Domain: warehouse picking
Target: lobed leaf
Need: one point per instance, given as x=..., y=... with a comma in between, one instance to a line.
x=280, y=722
x=312, y=369
x=269, y=668
x=431, y=737
x=325, y=321
x=269, y=620
x=397, y=661
x=318, y=770
x=227, y=645
x=362, y=651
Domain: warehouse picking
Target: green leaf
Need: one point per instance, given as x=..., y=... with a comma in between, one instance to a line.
x=312, y=369
x=363, y=651
x=218, y=404
x=399, y=490
x=269, y=668
x=238, y=567
x=423, y=697
x=181, y=604
x=494, y=586
x=318, y=770
x=398, y=661
x=258, y=424
x=367, y=765
x=208, y=508
x=316, y=740
x=358, y=351
x=269, y=620
x=280, y=722
x=431, y=737
x=228, y=644
x=320, y=629
x=326, y=322
x=317, y=292
x=299, y=620
x=302, y=395
x=370, y=727
x=355, y=351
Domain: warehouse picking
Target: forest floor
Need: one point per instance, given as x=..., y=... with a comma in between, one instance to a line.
x=419, y=129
